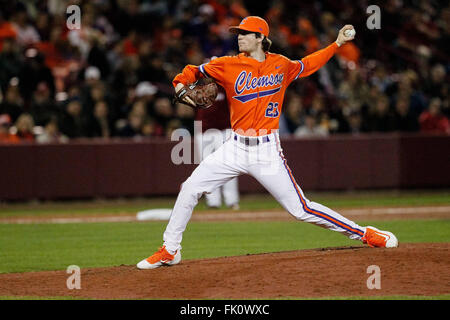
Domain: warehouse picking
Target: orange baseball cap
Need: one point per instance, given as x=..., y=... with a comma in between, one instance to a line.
x=252, y=24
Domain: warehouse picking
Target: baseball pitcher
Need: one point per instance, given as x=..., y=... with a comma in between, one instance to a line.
x=255, y=81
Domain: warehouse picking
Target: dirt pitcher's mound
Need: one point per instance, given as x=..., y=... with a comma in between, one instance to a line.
x=412, y=269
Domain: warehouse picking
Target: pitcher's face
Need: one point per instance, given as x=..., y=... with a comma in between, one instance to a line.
x=248, y=42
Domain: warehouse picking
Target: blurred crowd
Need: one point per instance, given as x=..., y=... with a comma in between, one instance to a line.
x=112, y=77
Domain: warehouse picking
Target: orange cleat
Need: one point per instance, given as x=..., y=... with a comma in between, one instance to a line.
x=377, y=238
x=160, y=258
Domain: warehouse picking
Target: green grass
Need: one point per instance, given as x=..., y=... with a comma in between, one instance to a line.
x=248, y=202
x=32, y=247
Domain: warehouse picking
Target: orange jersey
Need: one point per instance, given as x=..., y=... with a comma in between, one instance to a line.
x=255, y=90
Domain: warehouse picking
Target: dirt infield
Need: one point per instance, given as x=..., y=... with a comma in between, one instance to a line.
x=411, y=269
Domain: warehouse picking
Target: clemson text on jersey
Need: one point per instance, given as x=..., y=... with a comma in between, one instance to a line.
x=246, y=82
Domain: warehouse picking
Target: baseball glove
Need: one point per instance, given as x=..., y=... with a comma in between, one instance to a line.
x=197, y=95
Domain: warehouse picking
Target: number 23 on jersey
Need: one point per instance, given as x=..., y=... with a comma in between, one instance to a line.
x=272, y=110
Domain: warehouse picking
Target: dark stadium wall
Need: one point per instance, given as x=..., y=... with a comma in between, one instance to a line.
x=123, y=168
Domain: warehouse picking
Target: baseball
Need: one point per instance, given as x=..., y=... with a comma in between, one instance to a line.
x=349, y=33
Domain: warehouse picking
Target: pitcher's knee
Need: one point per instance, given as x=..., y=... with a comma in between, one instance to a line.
x=300, y=215
x=297, y=212
x=303, y=210
x=190, y=188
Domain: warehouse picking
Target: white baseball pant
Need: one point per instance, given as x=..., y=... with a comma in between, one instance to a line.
x=264, y=160
x=205, y=144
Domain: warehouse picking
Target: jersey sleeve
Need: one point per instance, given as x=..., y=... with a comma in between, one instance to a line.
x=190, y=74
x=311, y=63
x=214, y=69
x=295, y=68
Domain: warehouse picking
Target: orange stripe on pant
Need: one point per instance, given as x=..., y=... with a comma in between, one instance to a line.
x=315, y=212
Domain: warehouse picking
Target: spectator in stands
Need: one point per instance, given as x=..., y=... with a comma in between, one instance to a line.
x=72, y=124
x=51, y=133
x=7, y=31
x=408, y=88
x=380, y=117
x=96, y=94
x=92, y=76
x=133, y=127
x=311, y=128
x=100, y=124
x=87, y=36
x=355, y=123
x=10, y=61
x=306, y=36
x=92, y=89
x=151, y=69
x=380, y=78
x=34, y=71
x=171, y=126
x=436, y=86
x=163, y=112
x=26, y=32
x=24, y=127
x=146, y=92
x=318, y=105
x=43, y=26
x=186, y=116
x=5, y=135
x=149, y=128
x=12, y=104
x=432, y=120
x=294, y=113
x=339, y=112
x=138, y=109
x=354, y=88
x=140, y=97
x=97, y=57
x=42, y=105
x=404, y=119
